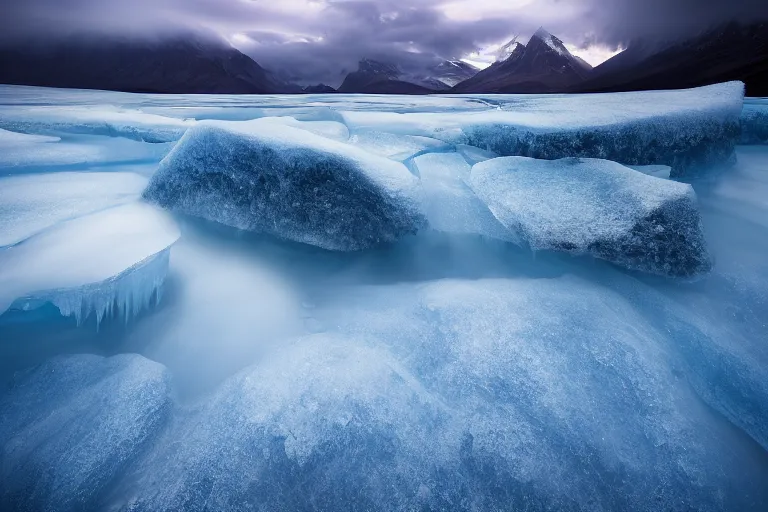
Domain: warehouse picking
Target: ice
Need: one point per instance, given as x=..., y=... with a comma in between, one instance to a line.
x=396, y=147
x=449, y=204
x=93, y=120
x=687, y=130
x=294, y=421
x=72, y=425
x=597, y=207
x=659, y=171
x=754, y=121
x=289, y=183
x=433, y=395
x=30, y=203
x=330, y=129
x=474, y=155
x=116, y=259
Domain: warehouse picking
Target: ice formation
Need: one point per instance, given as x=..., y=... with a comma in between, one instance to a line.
x=71, y=426
x=396, y=147
x=289, y=183
x=30, y=203
x=117, y=258
x=329, y=129
x=659, y=171
x=687, y=130
x=597, y=207
x=754, y=121
x=104, y=120
x=449, y=203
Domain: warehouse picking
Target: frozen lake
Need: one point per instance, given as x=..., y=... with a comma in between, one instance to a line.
x=340, y=302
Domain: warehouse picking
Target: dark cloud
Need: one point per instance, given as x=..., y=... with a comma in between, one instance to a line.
x=318, y=40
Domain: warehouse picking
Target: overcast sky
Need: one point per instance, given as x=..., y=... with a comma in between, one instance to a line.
x=320, y=40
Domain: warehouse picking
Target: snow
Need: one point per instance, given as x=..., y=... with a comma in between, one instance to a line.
x=597, y=207
x=659, y=171
x=330, y=129
x=289, y=183
x=449, y=204
x=31, y=203
x=90, y=265
x=551, y=41
x=71, y=426
x=688, y=130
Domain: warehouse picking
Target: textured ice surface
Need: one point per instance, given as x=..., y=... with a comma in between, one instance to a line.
x=754, y=121
x=70, y=426
x=30, y=203
x=92, y=120
x=92, y=264
x=551, y=394
x=449, y=204
x=597, y=207
x=686, y=130
x=396, y=147
x=330, y=129
x=289, y=183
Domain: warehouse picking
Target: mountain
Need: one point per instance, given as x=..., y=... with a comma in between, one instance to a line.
x=378, y=77
x=543, y=65
x=729, y=52
x=184, y=63
x=318, y=89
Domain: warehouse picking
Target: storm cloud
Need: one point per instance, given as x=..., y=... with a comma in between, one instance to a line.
x=320, y=40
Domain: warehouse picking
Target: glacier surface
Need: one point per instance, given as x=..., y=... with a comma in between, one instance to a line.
x=289, y=183
x=449, y=370
x=597, y=207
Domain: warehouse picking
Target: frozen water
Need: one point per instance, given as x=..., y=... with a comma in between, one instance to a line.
x=33, y=202
x=659, y=171
x=289, y=183
x=754, y=121
x=103, y=120
x=330, y=129
x=686, y=130
x=445, y=371
x=396, y=147
x=597, y=207
x=449, y=204
x=72, y=425
x=92, y=264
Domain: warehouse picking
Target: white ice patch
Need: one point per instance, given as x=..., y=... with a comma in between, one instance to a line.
x=93, y=120
x=597, y=207
x=396, y=147
x=449, y=204
x=329, y=129
x=30, y=203
x=685, y=129
x=117, y=258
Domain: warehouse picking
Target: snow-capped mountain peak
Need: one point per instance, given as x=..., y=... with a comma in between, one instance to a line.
x=551, y=41
x=508, y=49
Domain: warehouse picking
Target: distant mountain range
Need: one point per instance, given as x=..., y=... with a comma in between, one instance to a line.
x=184, y=63
x=188, y=63
x=374, y=77
x=543, y=65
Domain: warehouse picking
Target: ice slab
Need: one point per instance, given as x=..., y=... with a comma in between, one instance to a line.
x=289, y=183
x=474, y=155
x=302, y=414
x=72, y=425
x=597, y=207
x=754, y=121
x=396, y=147
x=329, y=129
x=117, y=258
x=449, y=204
x=93, y=120
x=32, y=202
x=688, y=130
